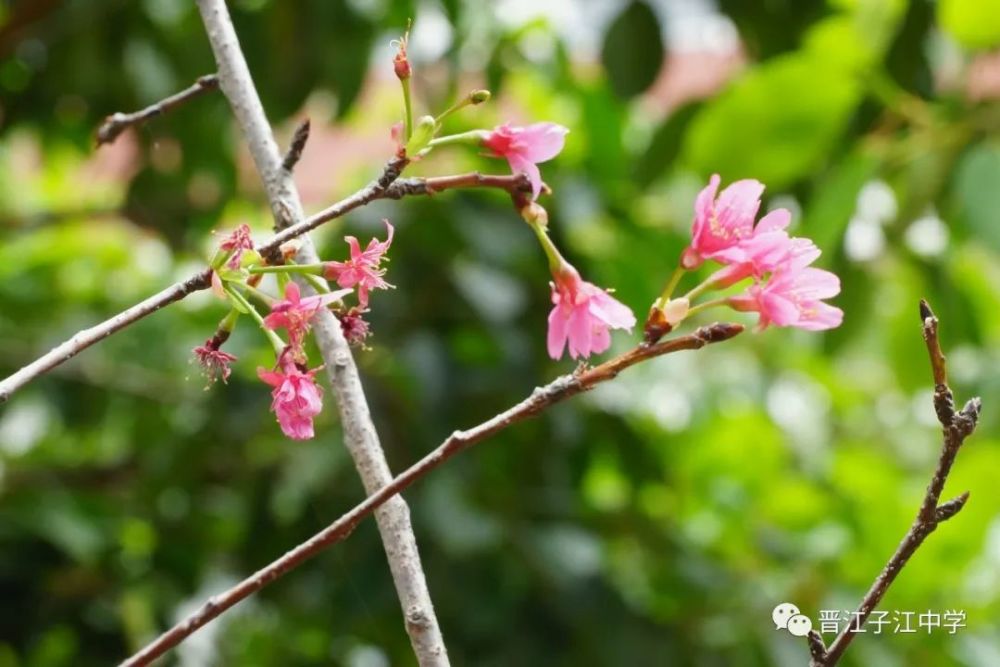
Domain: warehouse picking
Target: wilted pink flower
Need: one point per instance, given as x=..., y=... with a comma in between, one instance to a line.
x=296, y=397
x=214, y=362
x=293, y=314
x=525, y=147
x=238, y=241
x=720, y=224
x=354, y=326
x=363, y=268
x=583, y=313
x=793, y=298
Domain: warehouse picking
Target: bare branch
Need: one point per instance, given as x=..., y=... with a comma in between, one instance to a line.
x=381, y=188
x=541, y=398
x=360, y=435
x=118, y=122
x=84, y=339
x=956, y=427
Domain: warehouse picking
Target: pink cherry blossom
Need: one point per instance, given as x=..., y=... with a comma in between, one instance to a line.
x=296, y=397
x=238, y=241
x=721, y=223
x=293, y=313
x=582, y=315
x=214, y=362
x=765, y=253
x=363, y=268
x=525, y=147
x=792, y=297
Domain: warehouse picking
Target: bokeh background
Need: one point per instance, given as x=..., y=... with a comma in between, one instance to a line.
x=656, y=521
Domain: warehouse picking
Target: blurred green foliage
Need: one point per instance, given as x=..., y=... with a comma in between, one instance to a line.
x=657, y=520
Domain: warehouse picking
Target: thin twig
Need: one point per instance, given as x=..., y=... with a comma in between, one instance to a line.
x=381, y=188
x=87, y=337
x=956, y=426
x=118, y=122
x=541, y=398
x=360, y=436
x=298, y=144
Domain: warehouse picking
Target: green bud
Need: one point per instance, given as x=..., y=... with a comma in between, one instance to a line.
x=422, y=135
x=479, y=96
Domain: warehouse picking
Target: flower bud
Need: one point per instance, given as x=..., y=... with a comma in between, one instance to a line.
x=676, y=310
x=479, y=96
x=400, y=63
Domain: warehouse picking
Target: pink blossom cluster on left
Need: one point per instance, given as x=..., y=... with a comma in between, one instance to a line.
x=237, y=273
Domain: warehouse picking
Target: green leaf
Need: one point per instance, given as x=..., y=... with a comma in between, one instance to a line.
x=633, y=50
x=976, y=193
x=975, y=24
x=665, y=145
x=775, y=124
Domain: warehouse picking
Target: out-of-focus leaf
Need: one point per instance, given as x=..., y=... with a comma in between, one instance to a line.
x=633, y=50
x=974, y=23
x=665, y=145
x=768, y=32
x=775, y=124
x=907, y=61
x=977, y=196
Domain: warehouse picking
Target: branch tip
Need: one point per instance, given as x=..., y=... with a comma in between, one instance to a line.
x=817, y=649
x=296, y=147
x=949, y=509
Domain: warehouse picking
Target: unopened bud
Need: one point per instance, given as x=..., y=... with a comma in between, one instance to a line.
x=676, y=310
x=400, y=63
x=479, y=96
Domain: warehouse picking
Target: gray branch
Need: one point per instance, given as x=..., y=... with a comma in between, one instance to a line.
x=393, y=518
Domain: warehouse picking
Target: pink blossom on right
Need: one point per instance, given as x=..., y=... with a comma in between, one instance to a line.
x=793, y=297
x=582, y=316
x=525, y=147
x=363, y=269
x=296, y=397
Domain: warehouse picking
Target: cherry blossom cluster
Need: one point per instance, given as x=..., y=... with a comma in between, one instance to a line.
x=782, y=286
x=238, y=270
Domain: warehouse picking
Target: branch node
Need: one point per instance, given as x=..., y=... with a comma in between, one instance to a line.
x=949, y=509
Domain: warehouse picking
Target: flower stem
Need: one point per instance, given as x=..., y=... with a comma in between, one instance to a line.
x=314, y=269
x=701, y=287
x=317, y=283
x=668, y=291
x=273, y=338
x=475, y=97
x=407, y=109
x=721, y=301
x=472, y=138
x=556, y=260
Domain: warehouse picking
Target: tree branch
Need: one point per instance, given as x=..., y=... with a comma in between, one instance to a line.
x=118, y=122
x=360, y=435
x=84, y=339
x=956, y=426
x=541, y=398
x=381, y=188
